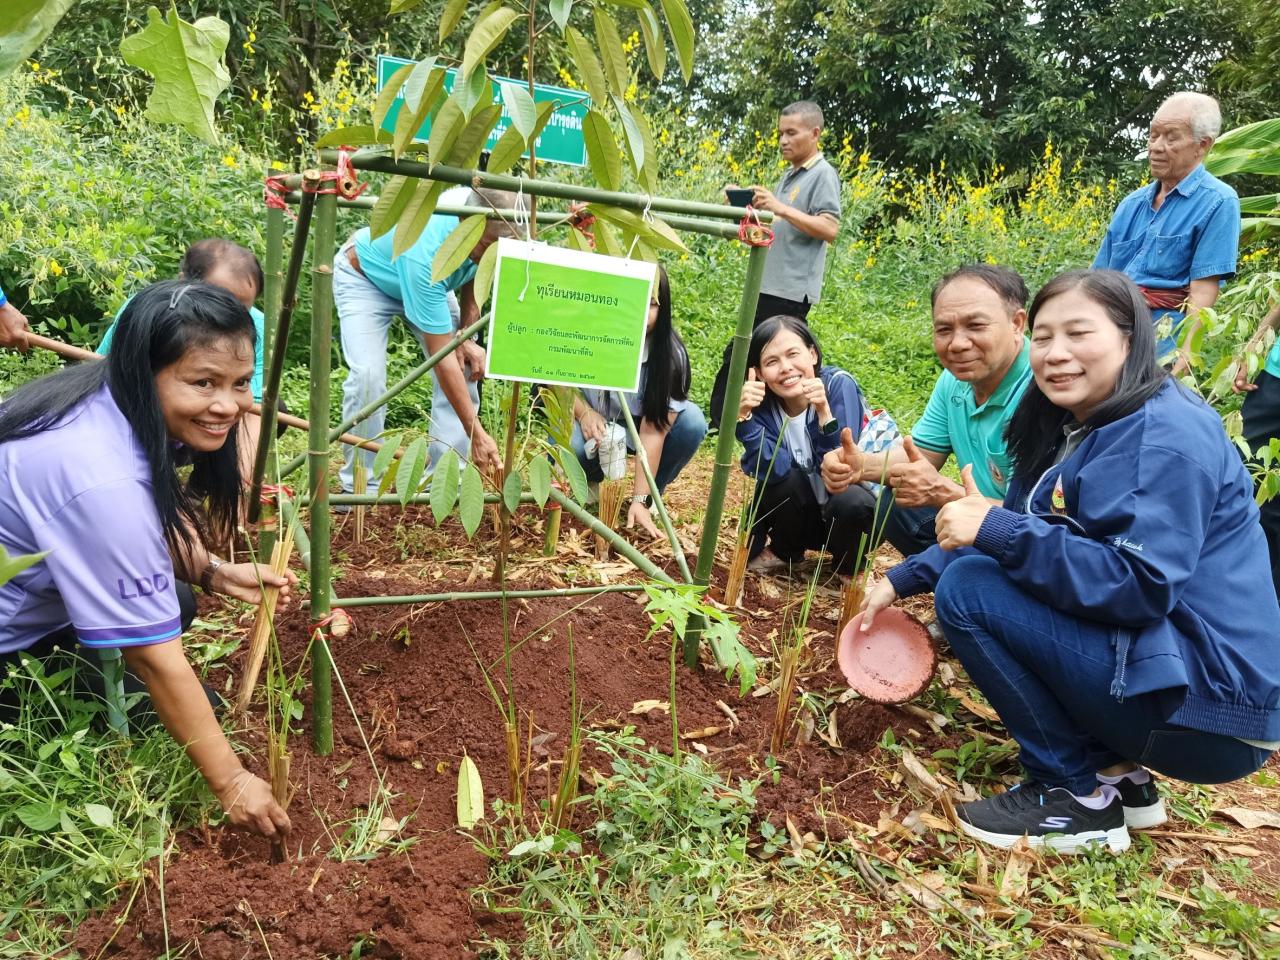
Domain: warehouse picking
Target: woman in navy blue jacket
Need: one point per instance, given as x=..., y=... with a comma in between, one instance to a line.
x=791, y=414
x=1117, y=611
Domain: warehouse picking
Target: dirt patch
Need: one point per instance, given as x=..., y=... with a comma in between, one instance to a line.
x=423, y=703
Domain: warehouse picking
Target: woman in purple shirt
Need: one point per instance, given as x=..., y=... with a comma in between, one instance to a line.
x=89, y=460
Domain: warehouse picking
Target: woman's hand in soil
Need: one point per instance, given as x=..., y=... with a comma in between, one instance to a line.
x=878, y=597
x=638, y=516
x=752, y=395
x=592, y=425
x=248, y=802
x=241, y=580
x=843, y=467
x=958, y=522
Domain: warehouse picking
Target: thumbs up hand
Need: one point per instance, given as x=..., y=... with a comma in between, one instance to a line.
x=958, y=522
x=842, y=467
x=752, y=395
x=917, y=483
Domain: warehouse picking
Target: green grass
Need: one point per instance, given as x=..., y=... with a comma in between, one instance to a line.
x=675, y=866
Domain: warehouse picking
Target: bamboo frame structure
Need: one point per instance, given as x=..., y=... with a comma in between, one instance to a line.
x=321, y=207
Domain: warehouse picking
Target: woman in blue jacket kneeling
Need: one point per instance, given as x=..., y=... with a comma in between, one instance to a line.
x=1117, y=611
x=791, y=414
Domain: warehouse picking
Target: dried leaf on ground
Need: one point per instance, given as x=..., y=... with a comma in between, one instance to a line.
x=644, y=706
x=1017, y=871
x=701, y=732
x=919, y=776
x=1251, y=819
x=922, y=821
x=920, y=893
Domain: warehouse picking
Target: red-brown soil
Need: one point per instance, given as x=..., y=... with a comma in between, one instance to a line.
x=423, y=704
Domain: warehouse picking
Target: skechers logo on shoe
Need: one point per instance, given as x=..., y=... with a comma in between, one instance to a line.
x=1056, y=824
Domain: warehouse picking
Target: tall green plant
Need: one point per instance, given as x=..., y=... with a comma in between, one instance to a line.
x=1251, y=149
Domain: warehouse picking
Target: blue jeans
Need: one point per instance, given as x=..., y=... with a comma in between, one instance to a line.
x=1048, y=675
x=910, y=529
x=680, y=444
x=365, y=315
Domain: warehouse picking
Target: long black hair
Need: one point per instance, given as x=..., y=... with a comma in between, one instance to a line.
x=770, y=327
x=159, y=325
x=668, y=367
x=1035, y=429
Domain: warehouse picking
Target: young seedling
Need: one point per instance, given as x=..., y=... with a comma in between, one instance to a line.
x=567, y=788
x=264, y=622
x=358, y=514
x=789, y=664
x=747, y=518
x=855, y=590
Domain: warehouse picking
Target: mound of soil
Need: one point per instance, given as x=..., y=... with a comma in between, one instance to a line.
x=423, y=703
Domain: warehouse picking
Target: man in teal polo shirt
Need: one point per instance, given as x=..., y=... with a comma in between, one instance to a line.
x=371, y=288
x=979, y=315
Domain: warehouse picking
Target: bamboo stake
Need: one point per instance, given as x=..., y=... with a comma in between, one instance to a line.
x=318, y=478
x=449, y=597
x=690, y=224
x=361, y=482
x=788, y=668
x=551, y=530
x=659, y=505
x=736, y=576
x=278, y=767
x=382, y=163
x=725, y=442
x=273, y=283
x=288, y=301
x=264, y=623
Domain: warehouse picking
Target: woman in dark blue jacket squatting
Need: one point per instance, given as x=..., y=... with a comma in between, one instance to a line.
x=791, y=414
x=1117, y=611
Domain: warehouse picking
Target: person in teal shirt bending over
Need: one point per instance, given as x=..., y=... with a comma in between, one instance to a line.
x=979, y=319
x=222, y=263
x=371, y=287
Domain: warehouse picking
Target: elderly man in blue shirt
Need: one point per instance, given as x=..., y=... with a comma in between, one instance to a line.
x=1177, y=237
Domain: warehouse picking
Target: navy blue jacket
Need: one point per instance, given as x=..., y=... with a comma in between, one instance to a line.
x=1150, y=526
x=761, y=435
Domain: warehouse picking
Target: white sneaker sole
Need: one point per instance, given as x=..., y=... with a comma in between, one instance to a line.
x=1146, y=818
x=1117, y=839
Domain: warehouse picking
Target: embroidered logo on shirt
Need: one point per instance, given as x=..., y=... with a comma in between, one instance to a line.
x=996, y=473
x=1058, y=500
x=795, y=192
x=143, y=586
x=1127, y=544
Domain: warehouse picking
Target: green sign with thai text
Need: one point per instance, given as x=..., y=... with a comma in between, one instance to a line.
x=568, y=317
x=562, y=140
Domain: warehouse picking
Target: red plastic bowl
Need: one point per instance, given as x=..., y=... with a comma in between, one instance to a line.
x=893, y=662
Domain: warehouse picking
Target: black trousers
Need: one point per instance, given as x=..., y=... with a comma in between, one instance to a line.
x=768, y=306
x=1261, y=416
x=790, y=520
x=59, y=650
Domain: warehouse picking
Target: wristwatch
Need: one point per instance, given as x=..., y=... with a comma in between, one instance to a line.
x=830, y=427
x=206, y=576
x=641, y=498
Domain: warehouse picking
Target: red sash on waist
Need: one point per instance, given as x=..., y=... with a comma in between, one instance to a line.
x=1165, y=299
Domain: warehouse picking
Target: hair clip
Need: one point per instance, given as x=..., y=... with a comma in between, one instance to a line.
x=179, y=294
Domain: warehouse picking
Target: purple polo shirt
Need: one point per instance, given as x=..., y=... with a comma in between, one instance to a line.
x=82, y=491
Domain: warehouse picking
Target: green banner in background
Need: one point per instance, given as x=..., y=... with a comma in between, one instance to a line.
x=561, y=142
x=567, y=317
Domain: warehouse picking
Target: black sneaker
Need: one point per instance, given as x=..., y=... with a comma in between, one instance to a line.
x=1143, y=808
x=1049, y=817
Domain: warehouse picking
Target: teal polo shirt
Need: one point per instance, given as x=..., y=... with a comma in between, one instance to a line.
x=1273, y=359
x=953, y=423
x=407, y=278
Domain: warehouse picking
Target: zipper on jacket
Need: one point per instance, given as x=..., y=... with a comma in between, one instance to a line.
x=1122, y=639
